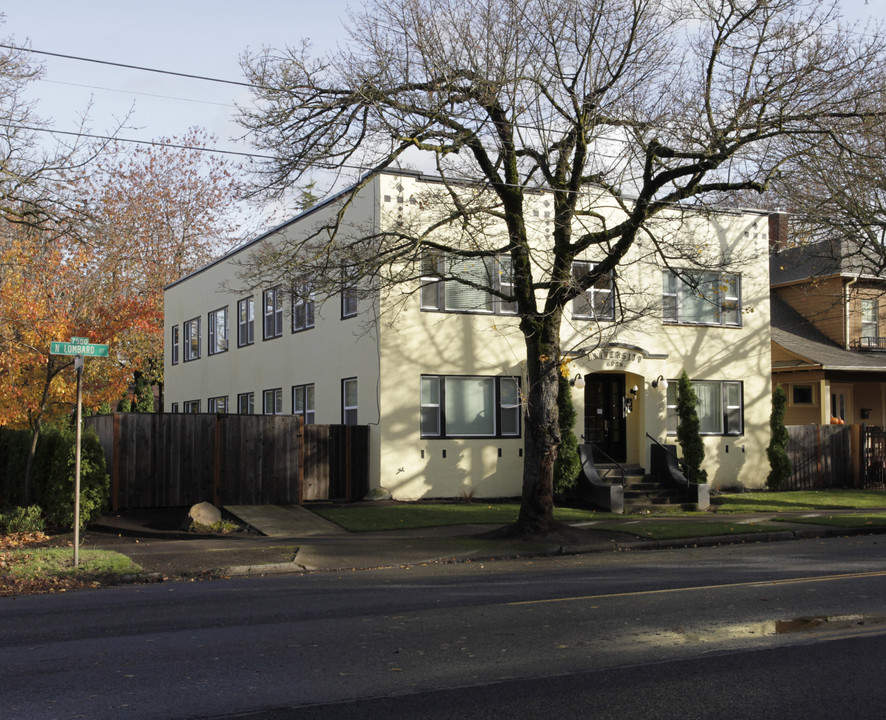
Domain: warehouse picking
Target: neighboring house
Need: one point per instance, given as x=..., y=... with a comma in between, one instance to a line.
x=828, y=352
x=439, y=382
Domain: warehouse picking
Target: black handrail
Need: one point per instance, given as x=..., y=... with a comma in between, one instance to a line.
x=621, y=467
x=683, y=467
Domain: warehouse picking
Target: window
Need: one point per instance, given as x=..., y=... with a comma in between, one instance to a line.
x=802, y=395
x=218, y=405
x=218, y=331
x=596, y=302
x=245, y=322
x=468, y=293
x=174, y=409
x=302, y=308
x=303, y=402
x=348, y=302
x=174, y=345
x=273, y=313
x=470, y=406
x=704, y=298
x=349, y=401
x=246, y=403
x=191, y=406
x=870, y=325
x=720, y=407
x=272, y=402
x=192, y=339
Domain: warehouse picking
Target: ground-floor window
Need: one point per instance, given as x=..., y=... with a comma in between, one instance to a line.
x=246, y=403
x=720, y=406
x=218, y=404
x=303, y=402
x=191, y=406
x=349, y=401
x=470, y=406
x=272, y=401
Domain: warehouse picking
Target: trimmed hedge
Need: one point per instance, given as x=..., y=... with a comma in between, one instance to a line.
x=53, y=484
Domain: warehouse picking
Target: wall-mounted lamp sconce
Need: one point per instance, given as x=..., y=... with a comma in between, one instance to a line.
x=577, y=382
x=635, y=390
x=660, y=382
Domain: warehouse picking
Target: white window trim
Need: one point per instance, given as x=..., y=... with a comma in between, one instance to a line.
x=345, y=408
x=246, y=326
x=248, y=399
x=725, y=431
x=174, y=345
x=218, y=342
x=190, y=351
x=497, y=410
x=275, y=395
x=272, y=313
x=683, y=291
x=434, y=295
x=307, y=413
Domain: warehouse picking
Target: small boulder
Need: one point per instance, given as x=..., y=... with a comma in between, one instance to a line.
x=205, y=513
x=378, y=493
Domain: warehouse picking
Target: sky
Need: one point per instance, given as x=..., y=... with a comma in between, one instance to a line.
x=198, y=37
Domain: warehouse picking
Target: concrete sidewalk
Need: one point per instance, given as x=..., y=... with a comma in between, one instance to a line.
x=292, y=539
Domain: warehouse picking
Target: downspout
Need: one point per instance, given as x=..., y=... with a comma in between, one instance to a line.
x=846, y=291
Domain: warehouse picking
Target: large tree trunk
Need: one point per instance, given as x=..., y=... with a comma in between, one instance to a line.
x=542, y=429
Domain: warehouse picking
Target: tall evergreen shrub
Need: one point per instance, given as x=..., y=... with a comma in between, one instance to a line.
x=689, y=431
x=779, y=463
x=568, y=463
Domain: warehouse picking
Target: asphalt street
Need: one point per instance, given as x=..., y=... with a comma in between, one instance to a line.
x=675, y=629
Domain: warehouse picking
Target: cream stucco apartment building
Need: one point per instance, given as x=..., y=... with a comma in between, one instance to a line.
x=436, y=369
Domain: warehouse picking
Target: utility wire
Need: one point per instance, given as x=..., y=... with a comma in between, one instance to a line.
x=127, y=66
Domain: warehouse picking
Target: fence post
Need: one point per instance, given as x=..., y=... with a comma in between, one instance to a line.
x=855, y=451
x=217, y=462
x=115, y=463
x=300, y=472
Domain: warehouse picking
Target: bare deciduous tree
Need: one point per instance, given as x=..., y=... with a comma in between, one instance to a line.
x=636, y=106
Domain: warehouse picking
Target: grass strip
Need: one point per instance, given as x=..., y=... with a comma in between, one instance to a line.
x=36, y=563
x=798, y=500
x=876, y=520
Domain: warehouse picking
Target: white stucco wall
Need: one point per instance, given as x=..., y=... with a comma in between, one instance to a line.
x=389, y=358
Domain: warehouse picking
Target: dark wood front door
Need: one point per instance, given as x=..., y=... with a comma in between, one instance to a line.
x=605, y=415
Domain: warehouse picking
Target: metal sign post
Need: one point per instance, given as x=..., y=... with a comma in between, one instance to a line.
x=79, y=347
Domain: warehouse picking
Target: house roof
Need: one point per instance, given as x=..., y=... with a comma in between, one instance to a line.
x=827, y=258
x=795, y=334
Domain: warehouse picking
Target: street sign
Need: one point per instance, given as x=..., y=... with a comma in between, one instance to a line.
x=80, y=341
x=70, y=348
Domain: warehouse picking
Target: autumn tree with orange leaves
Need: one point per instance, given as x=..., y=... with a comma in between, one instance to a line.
x=50, y=291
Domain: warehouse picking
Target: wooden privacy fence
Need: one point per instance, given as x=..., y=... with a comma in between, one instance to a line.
x=177, y=460
x=825, y=456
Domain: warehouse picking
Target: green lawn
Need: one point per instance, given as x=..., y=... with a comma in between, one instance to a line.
x=847, y=520
x=799, y=500
x=366, y=518
x=59, y=562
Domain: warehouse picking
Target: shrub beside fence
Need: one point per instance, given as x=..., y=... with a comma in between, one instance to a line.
x=172, y=460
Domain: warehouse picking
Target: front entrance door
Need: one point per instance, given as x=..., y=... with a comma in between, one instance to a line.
x=605, y=415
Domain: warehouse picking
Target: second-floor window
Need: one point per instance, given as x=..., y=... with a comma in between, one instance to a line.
x=470, y=293
x=701, y=298
x=302, y=308
x=174, y=345
x=218, y=331
x=596, y=302
x=245, y=321
x=192, y=339
x=870, y=323
x=273, y=313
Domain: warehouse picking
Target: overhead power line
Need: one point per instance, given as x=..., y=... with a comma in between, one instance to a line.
x=128, y=66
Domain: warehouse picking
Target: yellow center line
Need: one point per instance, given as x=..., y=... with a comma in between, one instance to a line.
x=663, y=591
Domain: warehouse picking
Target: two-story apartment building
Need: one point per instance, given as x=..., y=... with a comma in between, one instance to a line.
x=439, y=378
x=828, y=311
